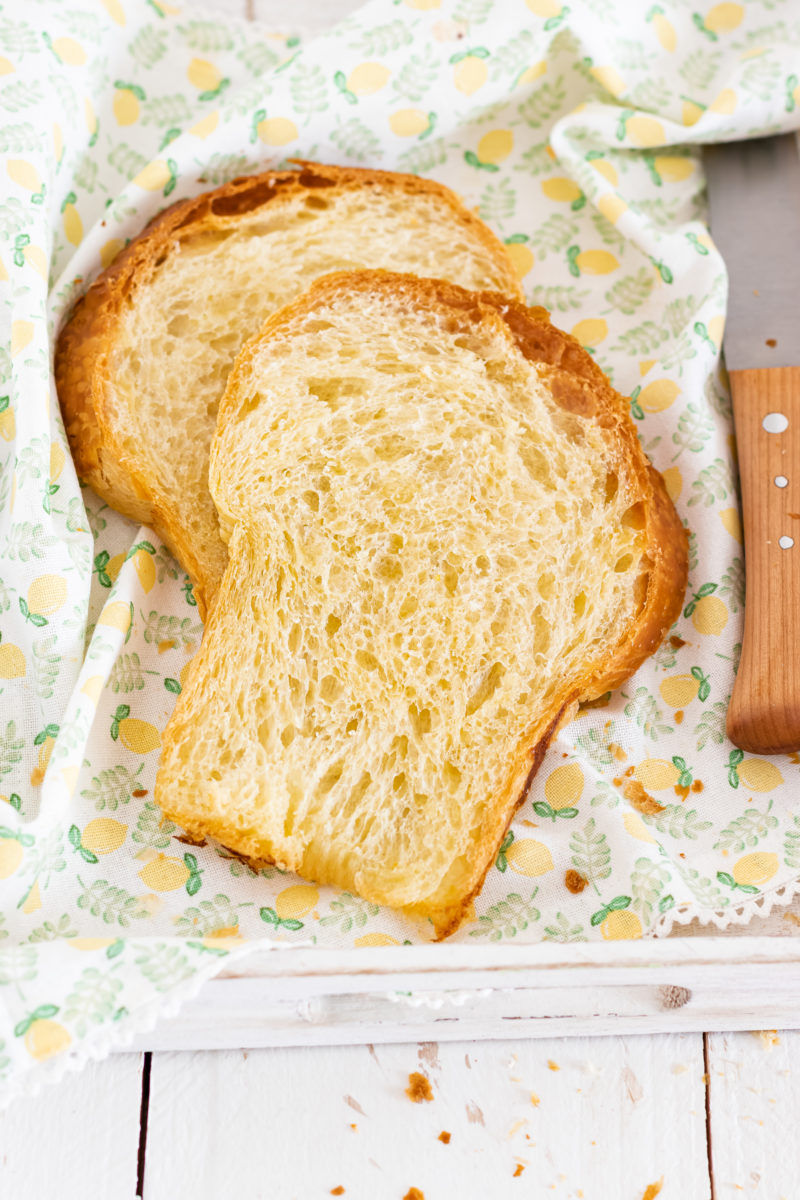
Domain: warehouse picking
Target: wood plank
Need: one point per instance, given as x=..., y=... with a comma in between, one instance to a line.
x=298, y=1123
x=754, y=1095
x=78, y=1139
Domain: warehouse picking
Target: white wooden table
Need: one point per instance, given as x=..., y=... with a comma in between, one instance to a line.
x=680, y=1116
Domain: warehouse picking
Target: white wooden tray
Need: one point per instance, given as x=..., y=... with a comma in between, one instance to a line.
x=444, y=993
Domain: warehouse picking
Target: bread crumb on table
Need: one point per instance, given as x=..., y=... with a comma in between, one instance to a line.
x=444, y=1137
x=414, y=1194
x=419, y=1087
x=337, y=1191
x=519, y=1169
x=575, y=882
x=653, y=1189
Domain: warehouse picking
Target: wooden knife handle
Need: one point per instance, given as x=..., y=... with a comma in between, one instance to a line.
x=764, y=712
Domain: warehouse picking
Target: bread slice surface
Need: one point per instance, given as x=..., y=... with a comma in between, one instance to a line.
x=142, y=363
x=443, y=535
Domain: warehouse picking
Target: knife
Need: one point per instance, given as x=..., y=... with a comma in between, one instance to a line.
x=754, y=195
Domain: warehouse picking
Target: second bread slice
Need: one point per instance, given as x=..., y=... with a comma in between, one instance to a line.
x=443, y=535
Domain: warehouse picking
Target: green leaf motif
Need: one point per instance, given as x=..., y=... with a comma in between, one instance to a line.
x=15, y=97
x=713, y=483
x=513, y=56
x=152, y=830
x=648, y=880
x=309, y=90
x=128, y=674
x=732, y=585
x=497, y=202
x=26, y=541
x=19, y=139
x=630, y=292
x=557, y=298
x=501, y=861
x=208, y=917
x=382, y=39
x=416, y=77
x=472, y=12
x=746, y=831
x=165, y=966
x=560, y=930
x=695, y=426
x=791, y=845
x=112, y=787
x=148, y=46
x=553, y=234
x=677, y=821
x=50, y=932
x=642, y=341
x=424, y=157
x=648, y=716
x=543, y=103
x=92, y=1000
x=348, y=911
x=18, y=964
x=113, y=905
x=207, y=36
x=591, y=854
x=11, y=748
x=167, y=110
x=507, y=918
x=357, y=141
x=17, y=38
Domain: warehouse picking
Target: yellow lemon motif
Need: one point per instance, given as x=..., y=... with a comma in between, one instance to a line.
x=665, y=32
x=126, y=106
x=6, y=66
x=46, y=1038
x=57, y=460
x=47, y=594
x=590, y=332
x=114, y=10
x=674, y=167
x=92, y=687
x=89, y=115
x=756, y=868
x=164, y=874
x=723, y=18
x=621, y=926
x=657, y=396
x=611, y=206
x=277, y=131
x=544, y=8
x=716, y=326
x=725, y=102
x=45, y=750
x=423, y=5
x=12, y=661
x=470, y=75
x=73, y=225
x=562, y=189
x=154, y=177
x=610, y=79
x=10, y=856
x=606, y=169
x=8, y=429
x=679, y=690
x=691, y=112
x=732, y=522
x=117, y=615
x=521, y=256
x=645, y=131
x=89, y=943
x=647, y=365
x=495, y=146
x=635, y=826
x=103, y=835
x=71, y=53
x=110, y=251
x=367, y=78
x=531, y=74
x=206, y=127
x=33, y=901
x=710, y=615
x=24, y=174
x=296, y=901
x=529, y=857
x=673, y=482
x=596, y=262
x=408, y=122
x=139, y=736
x=145, y=568
x=656, y=774
x=70, y=777
x=375, y=939
x=759, y=775
x=58, y=141
x=203, y=75
x=563, y=787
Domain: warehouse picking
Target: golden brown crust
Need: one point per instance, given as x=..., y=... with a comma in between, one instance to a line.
x=87, y=340
x=580, y=386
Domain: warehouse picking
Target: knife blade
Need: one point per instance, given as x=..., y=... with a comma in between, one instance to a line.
x=754, y=196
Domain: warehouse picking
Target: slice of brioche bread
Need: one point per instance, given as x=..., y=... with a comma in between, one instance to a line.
x=443, y=534
x=142, y=364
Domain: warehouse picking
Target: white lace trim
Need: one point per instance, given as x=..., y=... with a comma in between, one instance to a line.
x=759, y=906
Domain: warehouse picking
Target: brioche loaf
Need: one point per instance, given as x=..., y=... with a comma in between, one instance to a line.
x=443, y=534
x=142, y=364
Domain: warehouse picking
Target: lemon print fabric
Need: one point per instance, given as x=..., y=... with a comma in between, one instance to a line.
x=580, y=146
